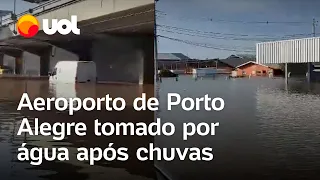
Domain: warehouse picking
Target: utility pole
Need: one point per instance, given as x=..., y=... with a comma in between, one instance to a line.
x=14, y=16
x=310, y=65
x=155, y=44
x=314, y=24
x=14, y=6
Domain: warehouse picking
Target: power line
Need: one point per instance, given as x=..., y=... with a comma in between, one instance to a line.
x=162, y=13
x=223, y=36
x=206, y=36
x=204, y=45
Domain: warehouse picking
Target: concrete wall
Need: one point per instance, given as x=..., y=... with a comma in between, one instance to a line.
x=1, y=58
x=124, y=59
x=30, y=64
x=9, y=61
x=59, y=54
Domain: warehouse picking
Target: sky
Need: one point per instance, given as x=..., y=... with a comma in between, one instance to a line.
x=218, y=28
x=226, y=27
x=20, y=5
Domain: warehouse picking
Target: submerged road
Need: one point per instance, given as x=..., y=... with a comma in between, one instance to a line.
x=10, y=119
x=267, y=130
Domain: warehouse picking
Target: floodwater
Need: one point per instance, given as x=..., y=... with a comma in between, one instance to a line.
x=10, y=118
x=268, y=130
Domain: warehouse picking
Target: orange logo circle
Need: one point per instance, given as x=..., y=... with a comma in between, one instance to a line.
x=28, y=26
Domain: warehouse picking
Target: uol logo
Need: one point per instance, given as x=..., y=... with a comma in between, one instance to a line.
x=28, y=26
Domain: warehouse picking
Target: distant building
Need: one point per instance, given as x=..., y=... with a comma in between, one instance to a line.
x=252, y=68
x=243, y=66
x=248, y=67
x=181, y=62
x=172, y=60
x=234, y=61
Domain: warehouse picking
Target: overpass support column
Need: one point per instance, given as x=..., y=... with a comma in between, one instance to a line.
x=1, y=59
x=12, y=58
x=45, y=61
x=148, y=63
x=286, y=73
x=309, y=72
x=51, y=55
x=124, y=59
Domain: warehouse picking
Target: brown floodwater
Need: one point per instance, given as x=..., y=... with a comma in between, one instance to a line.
x=10, y=119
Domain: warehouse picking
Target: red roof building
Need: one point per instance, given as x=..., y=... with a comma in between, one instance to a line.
x=252, y=68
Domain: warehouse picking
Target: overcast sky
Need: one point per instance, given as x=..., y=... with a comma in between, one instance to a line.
x=226, y=26
x=20, y=5
x=231, y=26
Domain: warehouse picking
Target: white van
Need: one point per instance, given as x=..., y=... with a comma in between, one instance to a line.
x=74, y=72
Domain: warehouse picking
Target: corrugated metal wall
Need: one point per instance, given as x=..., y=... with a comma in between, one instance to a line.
x=289, y=51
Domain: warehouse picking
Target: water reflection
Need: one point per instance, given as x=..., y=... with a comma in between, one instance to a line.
x=268, y=130
x=10, y=120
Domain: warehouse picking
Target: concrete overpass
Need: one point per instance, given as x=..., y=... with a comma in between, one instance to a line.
x=117, y=34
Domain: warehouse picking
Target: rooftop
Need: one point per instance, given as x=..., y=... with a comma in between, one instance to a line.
x=234, y=61
x=4, y=12
x=173, y=56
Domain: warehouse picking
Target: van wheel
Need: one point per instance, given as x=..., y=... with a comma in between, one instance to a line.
x=88, y=80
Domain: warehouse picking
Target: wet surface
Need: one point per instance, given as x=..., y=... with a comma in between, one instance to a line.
x=10, y=119
x=268, y=130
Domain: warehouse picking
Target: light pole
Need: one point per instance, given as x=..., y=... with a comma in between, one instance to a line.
x=14, y=16
x=14, y=6
x=310, y=65
x=155, y=44
x=314, y=24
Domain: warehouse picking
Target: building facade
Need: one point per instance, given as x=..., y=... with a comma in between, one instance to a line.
x=299, y=56
x=254, y=69
x=172, y=61
x=248, y=67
